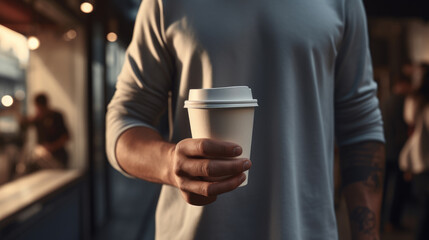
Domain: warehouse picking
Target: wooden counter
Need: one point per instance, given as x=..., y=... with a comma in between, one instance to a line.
x=19, y=194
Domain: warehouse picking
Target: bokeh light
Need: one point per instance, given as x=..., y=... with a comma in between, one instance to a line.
x=112, y=37
x=33, y=43
x=70, y=35
x=7, y=100
x=86, y=7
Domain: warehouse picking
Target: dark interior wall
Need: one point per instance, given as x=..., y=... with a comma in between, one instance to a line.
x=397, y=8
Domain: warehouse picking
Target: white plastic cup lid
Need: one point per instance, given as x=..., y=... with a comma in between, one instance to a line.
x=223, y=97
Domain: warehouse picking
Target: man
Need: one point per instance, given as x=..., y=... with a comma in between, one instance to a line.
x=52, y=134
x=307, y=63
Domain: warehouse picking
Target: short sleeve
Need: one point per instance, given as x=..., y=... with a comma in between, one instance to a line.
x=357, y=114
x=141, y=95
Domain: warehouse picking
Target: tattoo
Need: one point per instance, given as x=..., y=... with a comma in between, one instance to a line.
x=365, y=219
x=363, y=162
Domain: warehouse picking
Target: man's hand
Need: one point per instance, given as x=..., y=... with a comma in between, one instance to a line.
x=200, y=168
x=204, y=168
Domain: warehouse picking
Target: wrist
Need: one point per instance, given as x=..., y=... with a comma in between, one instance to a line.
x=169, y=175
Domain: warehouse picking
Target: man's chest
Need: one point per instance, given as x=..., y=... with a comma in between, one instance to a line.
x=225, y=25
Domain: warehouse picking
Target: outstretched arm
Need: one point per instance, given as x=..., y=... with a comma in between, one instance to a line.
x=362, y=169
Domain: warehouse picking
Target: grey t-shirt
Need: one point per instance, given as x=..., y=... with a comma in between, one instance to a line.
x=307, y=62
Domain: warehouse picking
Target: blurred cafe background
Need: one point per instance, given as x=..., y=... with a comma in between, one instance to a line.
x=59, y=60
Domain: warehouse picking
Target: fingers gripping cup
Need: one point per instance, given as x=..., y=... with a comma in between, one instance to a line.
x=224, y=114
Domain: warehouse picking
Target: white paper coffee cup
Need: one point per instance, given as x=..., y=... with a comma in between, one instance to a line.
x=224, y=114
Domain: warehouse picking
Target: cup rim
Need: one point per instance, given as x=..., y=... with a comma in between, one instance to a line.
x=221, y=103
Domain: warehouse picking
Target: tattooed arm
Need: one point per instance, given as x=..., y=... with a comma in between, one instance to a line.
x=362, y=169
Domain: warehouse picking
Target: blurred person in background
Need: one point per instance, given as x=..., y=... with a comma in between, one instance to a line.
x=308, y=64
x=396, y=133
x=52, y=136
x=414, y=157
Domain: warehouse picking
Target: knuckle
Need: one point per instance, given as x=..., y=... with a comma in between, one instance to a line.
x=206, y=169
x=181, y=184
x=177, y=171
x=179, y=146
x=204, y=190
x=202, y=146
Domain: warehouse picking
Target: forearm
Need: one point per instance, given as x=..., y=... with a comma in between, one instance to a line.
x=362, y=168
x=142, y=153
